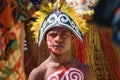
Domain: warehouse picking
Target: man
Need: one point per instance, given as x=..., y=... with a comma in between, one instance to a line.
x=58, y=30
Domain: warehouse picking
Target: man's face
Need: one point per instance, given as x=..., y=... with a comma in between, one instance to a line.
x=59, y=40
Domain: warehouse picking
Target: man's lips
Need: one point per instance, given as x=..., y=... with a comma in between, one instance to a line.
x=57, y=46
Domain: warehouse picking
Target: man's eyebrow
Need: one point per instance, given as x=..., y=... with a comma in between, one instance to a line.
x=51, y=32
x=66, y=31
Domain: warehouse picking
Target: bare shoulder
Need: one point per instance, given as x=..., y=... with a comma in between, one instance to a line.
x=88, y=72
x=38, y=73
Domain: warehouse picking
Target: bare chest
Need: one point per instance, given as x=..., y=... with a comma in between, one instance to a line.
x=69, y=73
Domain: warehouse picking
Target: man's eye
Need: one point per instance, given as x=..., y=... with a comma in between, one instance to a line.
x=64, y=35
x=52, y=35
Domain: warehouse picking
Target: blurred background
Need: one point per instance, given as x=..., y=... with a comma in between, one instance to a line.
x=19, y=53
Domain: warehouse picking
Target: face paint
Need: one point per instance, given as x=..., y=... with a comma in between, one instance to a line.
x=53, y=45
x=67, y=74
x=49, y=43
x=59, y=40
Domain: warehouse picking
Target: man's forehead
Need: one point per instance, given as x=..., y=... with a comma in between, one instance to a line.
x=59, y=29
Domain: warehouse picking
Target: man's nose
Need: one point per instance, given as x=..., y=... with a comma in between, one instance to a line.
x=58, y=38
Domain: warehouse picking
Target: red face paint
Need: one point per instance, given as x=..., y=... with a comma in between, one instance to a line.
x=49, y=43
x=59, y=40
x=53, y=43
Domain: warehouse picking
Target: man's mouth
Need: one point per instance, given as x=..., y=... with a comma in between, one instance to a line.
x=57, y=46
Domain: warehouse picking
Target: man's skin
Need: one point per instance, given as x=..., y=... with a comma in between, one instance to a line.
x=60, y=61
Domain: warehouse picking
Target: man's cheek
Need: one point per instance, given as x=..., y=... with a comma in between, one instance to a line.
x=49, y=44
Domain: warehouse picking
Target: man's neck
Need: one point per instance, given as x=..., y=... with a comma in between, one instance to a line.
x=61, y=58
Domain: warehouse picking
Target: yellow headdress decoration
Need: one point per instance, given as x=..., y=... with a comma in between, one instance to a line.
x=50, y=14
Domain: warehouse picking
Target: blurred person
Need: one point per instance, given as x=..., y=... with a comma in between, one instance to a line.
x=12, y=15
x=107, y=13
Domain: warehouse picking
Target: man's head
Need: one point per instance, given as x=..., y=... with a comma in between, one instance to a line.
x=59, y=19
x=59, y=14
x=59, y=39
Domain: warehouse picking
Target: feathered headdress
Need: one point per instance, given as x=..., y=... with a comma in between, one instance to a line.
x=61, y=13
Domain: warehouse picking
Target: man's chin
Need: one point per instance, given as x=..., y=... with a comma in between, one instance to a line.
x=57, y=51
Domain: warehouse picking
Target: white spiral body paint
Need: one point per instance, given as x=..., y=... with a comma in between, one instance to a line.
x=67, y=74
